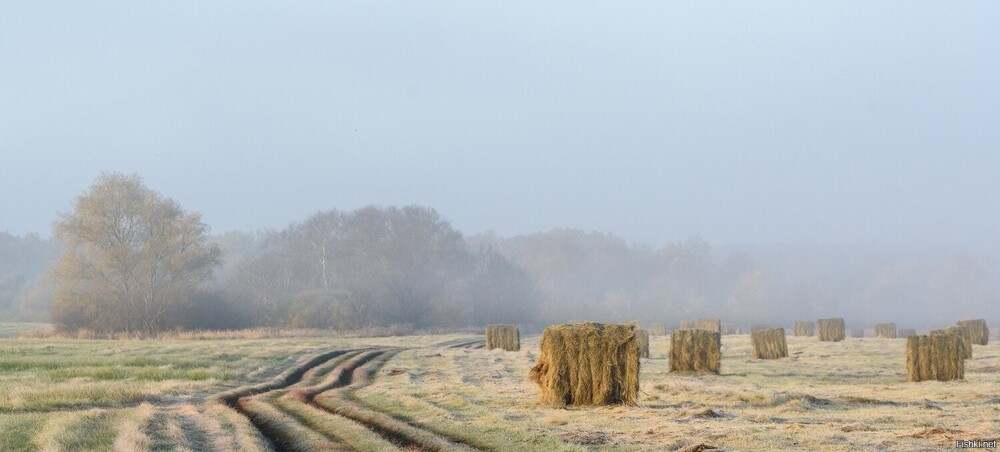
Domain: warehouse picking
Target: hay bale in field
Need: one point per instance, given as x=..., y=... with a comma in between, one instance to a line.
x=830, y=330
x=504, y=337
x=688, y=324
x=934, y=357
x=769, y=343
x=978, y=330
x=962, y=333
x=885, y=330
x=642, y=340
x=695, y=351
x=709, y=325
x=804, y=328
x=906, y=332
x=588, y=364
x=658, y=329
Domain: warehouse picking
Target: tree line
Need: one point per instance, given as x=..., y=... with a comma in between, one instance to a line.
x=131, y=260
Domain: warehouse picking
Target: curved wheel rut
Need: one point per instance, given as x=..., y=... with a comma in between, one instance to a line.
x=324, y=384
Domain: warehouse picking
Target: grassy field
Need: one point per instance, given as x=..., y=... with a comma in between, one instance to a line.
x=441, y=392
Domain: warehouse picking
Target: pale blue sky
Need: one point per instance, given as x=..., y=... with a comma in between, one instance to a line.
x=743, y=122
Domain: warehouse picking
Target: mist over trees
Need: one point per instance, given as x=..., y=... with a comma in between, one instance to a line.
x=130, y=259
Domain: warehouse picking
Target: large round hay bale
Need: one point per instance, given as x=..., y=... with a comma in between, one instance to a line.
x=658, y=329
x=830, y=330
x=978, y=329
x=769, y=344
x=906, y=332
x=642, y=340
x=885, y=330
x=504, y=337
x=695, y=351
x=935, y=357
x=588, y=364
x=804, y=328
x=964, y=336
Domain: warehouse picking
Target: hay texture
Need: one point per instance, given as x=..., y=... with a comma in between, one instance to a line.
x=962, y=333
x=906, y=332
x=934, y=357
x=695, y=351
x=805, y=328
x=588, y=364
x=642, y=339
x=769, y=344
x=978, y=329
x=688, y=324
x=657, y=329
x=504, y=337
x=830, y=330
x=885, y=330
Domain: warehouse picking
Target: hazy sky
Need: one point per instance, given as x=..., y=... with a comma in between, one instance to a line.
x=743, y=122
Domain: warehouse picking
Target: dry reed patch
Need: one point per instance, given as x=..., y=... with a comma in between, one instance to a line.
x=504, y=337
x=935, y=357
x=695, y=351
x=769, y=344
x=642, y=340
x=964, y=335
x=588, y=364
x=885, y=330
x=804, y=328
x=979, y=332
x=830, y=330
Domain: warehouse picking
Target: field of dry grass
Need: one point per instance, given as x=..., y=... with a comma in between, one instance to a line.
x=446, y=392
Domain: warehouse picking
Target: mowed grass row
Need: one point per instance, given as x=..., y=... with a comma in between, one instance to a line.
x=54, y=391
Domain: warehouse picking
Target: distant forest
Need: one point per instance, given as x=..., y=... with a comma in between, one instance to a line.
x=408, y=268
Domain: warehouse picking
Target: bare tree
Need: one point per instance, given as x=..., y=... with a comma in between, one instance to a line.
x=132, y=257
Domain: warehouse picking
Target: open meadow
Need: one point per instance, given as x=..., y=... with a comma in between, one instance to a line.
x=446, y=392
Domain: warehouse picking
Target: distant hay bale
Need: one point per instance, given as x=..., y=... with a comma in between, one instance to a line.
x=658, y=329
x=769, y=343
x=935, y=357
x=695, y=351
x=688, y=324
x=979, y=331
x=885, y=330
x=642, y=339
x=728, y=329
x=857, y=332
x=830, y=330
x=588, y=364
x=962, y=333
x=709, y=325
x=804, y=328
x=906, y=332
x=504, y=337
